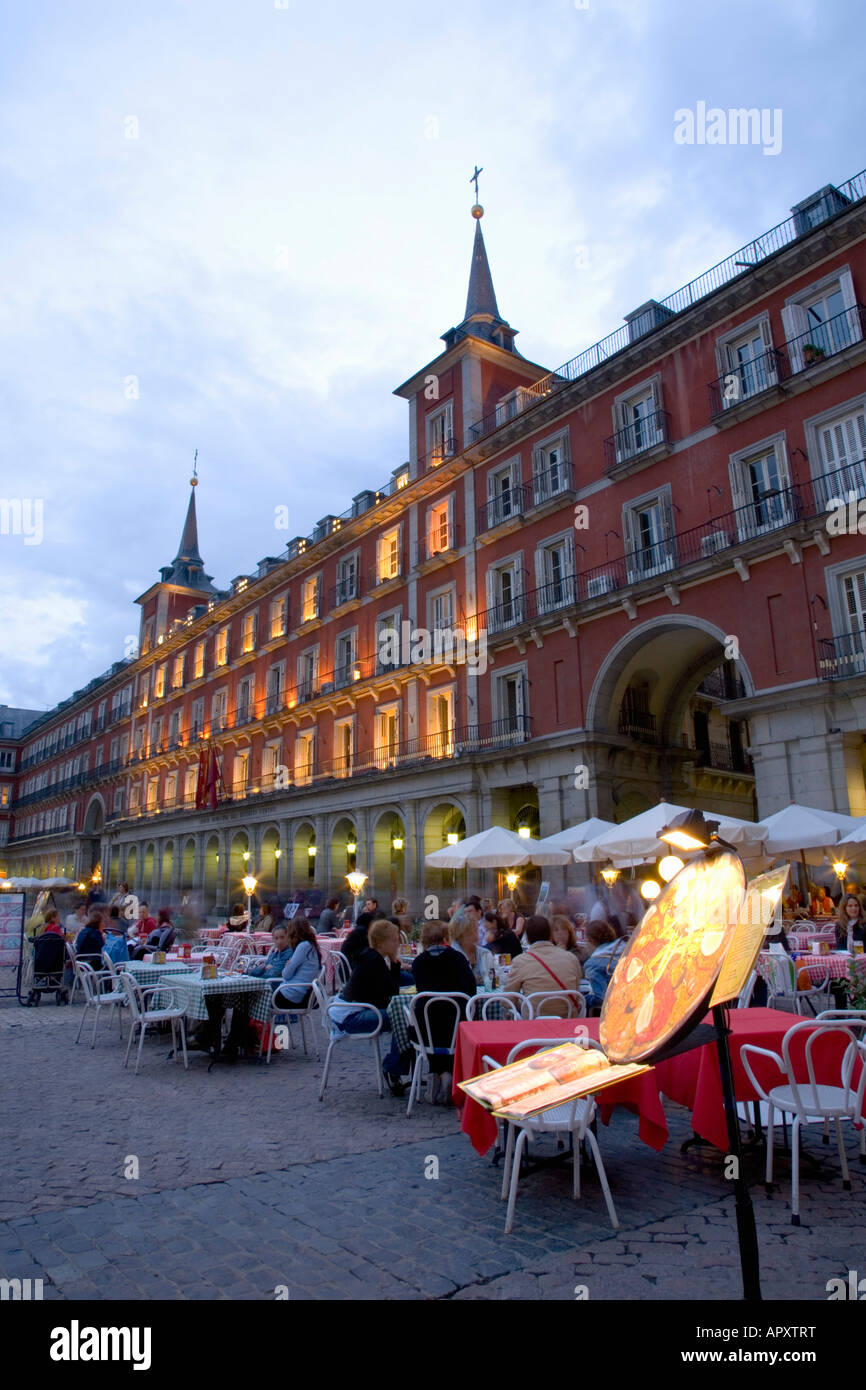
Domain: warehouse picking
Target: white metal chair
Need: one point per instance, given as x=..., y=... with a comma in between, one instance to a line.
x=810, y=1101
x=340, y=972
x=143, y=1017
x=781, y=979
x=572, y=999
x=574, y=1117
x=855, y=1019
x=302, y=1012
x=745, y=995
x=421, y=1026
x=76, y=982
x=325, y=1004
x=507, y=1005
x=91, y=982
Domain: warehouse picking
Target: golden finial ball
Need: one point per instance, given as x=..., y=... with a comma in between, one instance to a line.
x=477, y=211
x=193, y=482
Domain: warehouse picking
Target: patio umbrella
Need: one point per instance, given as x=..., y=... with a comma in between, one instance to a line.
x=496, y=848
x=856, y=838
x=638, y=839
x=576, y=835
x=804, y=830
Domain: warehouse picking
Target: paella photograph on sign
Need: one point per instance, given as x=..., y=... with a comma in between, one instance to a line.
x=667, y=974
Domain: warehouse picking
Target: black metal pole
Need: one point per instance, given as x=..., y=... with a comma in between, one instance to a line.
x=747, y=1235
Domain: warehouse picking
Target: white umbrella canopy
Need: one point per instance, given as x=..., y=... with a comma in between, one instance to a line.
x=857, y=836
x=496, y=848
x=638, y=839
x=576, y=835
x=798, y=828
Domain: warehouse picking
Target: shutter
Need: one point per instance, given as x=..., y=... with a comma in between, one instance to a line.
x=629, y=541
x=452, y=528
x=795, y=322
x=738, y=496
x=379, y=571
x=667, y=528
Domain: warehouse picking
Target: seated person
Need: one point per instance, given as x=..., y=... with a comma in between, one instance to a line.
x=544, y=967
x=850, y=923
x=463, y=934
x=161, y=938
x=90, y=941
x=115, y=941
x=375, y=979
x=270, y=967
x=562, y=934
x=240, y=918
x=139, y=930
x=439, y=969
x=356, y=941
x=607, y=948
x=822, y=903
x=328, y=921
x=302, y=967
x=499, y=938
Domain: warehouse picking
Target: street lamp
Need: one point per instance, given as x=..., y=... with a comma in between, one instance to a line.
x=356, y=881
x=610, y=875
x=397, y=842
x=840, y=869
x=649, y=889
x=453, y=837
x=249, y=882
x=524, y=831
x=669, y=866
x=512, y=879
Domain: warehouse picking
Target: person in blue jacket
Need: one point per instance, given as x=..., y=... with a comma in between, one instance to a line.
x=302, y=967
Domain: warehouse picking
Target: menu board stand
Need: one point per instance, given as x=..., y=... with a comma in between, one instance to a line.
x=747, y=1234
x=11, y=907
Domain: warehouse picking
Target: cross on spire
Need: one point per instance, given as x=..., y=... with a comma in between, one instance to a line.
x=474, y=179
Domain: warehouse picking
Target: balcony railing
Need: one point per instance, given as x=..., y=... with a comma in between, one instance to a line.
x=639, y=724
x=823, y=340
x=644, y=434
x=382, y=575
x=842, y=656
x=721, y=757
x=439, y=543
x=747, y=379
x=344, y=591
x=739, y=263
x=516, y=501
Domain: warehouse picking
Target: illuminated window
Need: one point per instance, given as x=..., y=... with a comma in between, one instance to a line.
x=248, y=632
x=177, y=672
x=270, y=762
x=241, y=773
x=5, y=794
x=310, y=599
x=304, y=746
x=198, y=661
x=344, y=747
x=221, y=654
x=389, y=554
x=152, y=789
x=440, y=527
x=170, y=789
x=159, y=682
x=440, y=724
x=189, y=785
x=279, y=609
x=386, y=736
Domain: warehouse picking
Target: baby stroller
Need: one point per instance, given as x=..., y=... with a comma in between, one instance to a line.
x=48, y=964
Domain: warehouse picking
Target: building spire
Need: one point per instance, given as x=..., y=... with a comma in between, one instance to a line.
x=482, y=318
x=187, y=568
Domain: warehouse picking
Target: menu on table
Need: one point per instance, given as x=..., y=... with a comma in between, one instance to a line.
x=552, y=1077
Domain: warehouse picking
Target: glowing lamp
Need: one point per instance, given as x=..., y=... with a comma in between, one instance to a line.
x=453, y=837
x=669, y=866
x=397, y=842
x=524, y=831
x=245, y=856
x=356, y=881
x=512, y=879
x=649, y=889
x=311, y=851
x=82, y=887
x=277, y=853
x=689, y=831
x=249, y=882
x=610, y=875
x=840, y=869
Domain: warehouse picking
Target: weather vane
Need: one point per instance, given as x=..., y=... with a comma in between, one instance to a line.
x=474, y=179
x=194, y=479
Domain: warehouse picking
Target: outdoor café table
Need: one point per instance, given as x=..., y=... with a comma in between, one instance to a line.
x=692, y=1078
x=835, y=964
x=477, y=1040
x=802, y=940
x=145, y=973
x=398, y=1014
x=231, y=989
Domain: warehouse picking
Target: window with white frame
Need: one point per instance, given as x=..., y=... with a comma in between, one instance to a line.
x=5, y=793
x=505, y=596
x=509, y=702
x=279, y=615
x=746, y=361
x=174, y=728
x=386, y=736
x=310, y=598
x=344, y=657
x=388, y=554
x=276, y=681
x=156, y=735
x=440, y=527
x=190, y=781
x=152, y=792
x=240, y=772
x=760, y=487
x=219, y=711
x=197, y=718
x=440, y=609
x=177, y=671
x=244, y=709
x=170, y=788
x=821, y=320
x=271, y=755
x=440, y=723
x=550, y=469
x=846, y=591
x=118, y=801
x=139, y=740
x=347, y=579
x=221, y=650
x=304, y=753
x=639, y=420
x=840, y=436
x=7, y=757
x=344, y=747
x=198, y=661
x=504, y=493
x=647, y=524
x=147, y=637
x=554, y=573
x=135, y=796
x=440, y=434
x=248, y=631
x=388, y=646
x=308, y=673
x=159, y=682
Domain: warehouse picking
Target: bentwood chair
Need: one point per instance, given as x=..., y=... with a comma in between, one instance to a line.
x=810, y=1101
x=573, y=1117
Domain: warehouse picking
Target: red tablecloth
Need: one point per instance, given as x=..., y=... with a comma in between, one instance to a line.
x=475, y=1040
x=693, y=1079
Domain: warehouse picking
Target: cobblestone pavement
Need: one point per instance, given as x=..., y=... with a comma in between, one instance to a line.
x=248, y=1184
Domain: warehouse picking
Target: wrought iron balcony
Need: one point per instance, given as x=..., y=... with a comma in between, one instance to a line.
x=516, y=501
x=344, y=591
x=645, y=434
x=824, y=340
x=842, y=656
x=746, y=380
x=639, y=724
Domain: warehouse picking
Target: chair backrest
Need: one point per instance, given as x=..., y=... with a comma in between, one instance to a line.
x=806, y=1093
x=557, y=1003
x=320, y=994
x=448, y=1013
x=89, y=979
x=746, y=992
x=498, y=1006
x=70, y=952
x=781, y=977
x=855, y=1019
x=112, y=969
x=133, y=994
x=340, y=969
x=530, y=1045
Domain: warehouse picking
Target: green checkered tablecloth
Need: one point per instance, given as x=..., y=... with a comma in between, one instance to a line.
x=231, y=990
x=398, y=1013
x=145, y=974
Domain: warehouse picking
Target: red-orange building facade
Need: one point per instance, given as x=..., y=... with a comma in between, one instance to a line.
x=635, y=548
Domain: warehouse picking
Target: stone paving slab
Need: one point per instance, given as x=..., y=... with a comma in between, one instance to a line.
x=247, y=1183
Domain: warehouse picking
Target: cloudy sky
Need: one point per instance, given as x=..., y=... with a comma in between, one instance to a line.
x=236, y=225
